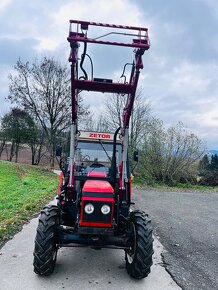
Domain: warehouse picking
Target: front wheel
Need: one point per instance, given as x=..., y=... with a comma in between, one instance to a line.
x=45, y=252
x=139, y=256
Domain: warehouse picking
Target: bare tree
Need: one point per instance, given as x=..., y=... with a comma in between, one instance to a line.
x=101, y=125
x=43, y=89
x=114, y=106
x=86, y=120
x=112, y=117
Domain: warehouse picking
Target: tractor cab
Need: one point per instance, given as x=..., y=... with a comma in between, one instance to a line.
x=94, y=154
x=98, y=155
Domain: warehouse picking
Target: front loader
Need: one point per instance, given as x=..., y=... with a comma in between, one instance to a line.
x=94, y=192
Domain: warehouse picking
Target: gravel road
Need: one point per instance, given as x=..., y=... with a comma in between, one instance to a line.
x=187, y=226
x=77, y=268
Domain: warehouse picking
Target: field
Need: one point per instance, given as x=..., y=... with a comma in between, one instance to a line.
x=24, y=189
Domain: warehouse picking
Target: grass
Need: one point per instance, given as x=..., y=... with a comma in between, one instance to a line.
x=24, y=189
x=178, y=187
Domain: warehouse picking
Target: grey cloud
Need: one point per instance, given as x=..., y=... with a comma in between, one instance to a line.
x=184, y=29
x=12, y=49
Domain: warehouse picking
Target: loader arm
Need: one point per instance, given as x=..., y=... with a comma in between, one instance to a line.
x=78, y=33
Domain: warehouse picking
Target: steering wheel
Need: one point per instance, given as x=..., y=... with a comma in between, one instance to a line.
x=97, y=165
x=86, y=158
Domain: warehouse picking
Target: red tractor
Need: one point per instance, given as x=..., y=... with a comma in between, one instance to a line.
x=94, y=194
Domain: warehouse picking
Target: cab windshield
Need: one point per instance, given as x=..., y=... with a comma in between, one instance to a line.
x=95, y=156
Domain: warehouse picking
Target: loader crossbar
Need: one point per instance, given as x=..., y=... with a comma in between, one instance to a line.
x=141, y=34
x=103, y=87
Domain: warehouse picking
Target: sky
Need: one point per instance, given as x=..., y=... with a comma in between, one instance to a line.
x=180, y=75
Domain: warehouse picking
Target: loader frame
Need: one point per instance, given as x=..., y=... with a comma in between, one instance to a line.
x=140, y=43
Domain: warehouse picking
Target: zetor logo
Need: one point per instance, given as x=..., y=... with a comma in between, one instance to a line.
x=99, y=135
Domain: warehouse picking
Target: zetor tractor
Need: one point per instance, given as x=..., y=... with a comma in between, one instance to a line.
x=94, y=193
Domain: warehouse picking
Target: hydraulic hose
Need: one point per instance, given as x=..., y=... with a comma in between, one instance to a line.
x=114, y=163
x=85, y=77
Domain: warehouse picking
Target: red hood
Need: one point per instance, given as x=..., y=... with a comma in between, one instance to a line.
x=98, y=186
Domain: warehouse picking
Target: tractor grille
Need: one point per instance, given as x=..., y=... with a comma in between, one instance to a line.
x=97, y=218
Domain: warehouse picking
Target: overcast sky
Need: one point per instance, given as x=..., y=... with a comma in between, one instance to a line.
x=180, y=76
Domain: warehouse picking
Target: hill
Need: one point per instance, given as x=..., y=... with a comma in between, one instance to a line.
x=212, y=152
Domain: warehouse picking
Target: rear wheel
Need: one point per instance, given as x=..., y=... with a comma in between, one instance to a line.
x=45, y=252
x=139, y=256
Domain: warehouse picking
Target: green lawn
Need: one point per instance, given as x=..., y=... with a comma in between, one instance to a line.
x=24, y=189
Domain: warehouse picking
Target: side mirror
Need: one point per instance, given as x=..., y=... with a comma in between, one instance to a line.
x=58, y=150
x=136, y=156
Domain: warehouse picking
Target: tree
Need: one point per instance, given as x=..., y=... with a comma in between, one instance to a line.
x=140, y=115
x=204, y=164
x=43, y=89
x=208, y=170
x=15, y=129
x=111, y=119
x=151, y=154
x=35, y=140
x=101, y=124
x=2, y=142
x=214, y=162
x=170, y=154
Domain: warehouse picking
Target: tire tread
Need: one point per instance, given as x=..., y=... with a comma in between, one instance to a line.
x=142, y=262
x=45, y=241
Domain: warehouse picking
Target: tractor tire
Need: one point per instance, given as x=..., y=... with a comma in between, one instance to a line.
x=45, y=252
x=139, y=257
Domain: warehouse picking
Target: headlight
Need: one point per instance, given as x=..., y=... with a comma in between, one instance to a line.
x=89, y=208
x=105, y=209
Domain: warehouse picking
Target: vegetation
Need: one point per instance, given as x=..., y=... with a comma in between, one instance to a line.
x=43, y=90
x=170, y=155
x=18, y=127
x=24, y=190
x=185, y=187
x=208, y=170
x=166, y=155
